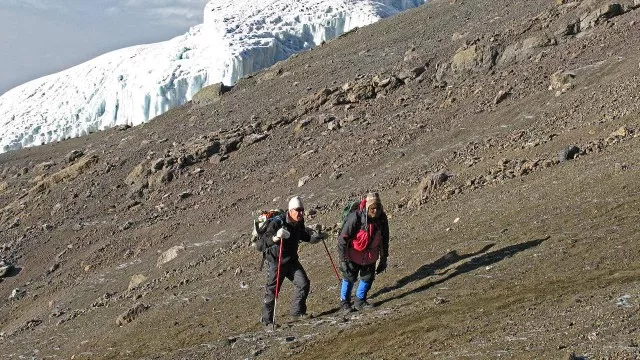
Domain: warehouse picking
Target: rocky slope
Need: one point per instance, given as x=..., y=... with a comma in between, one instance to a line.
x=502, y=137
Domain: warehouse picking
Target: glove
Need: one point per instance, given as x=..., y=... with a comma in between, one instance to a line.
x=315, y=236
x=382, y=266
x=283, y=233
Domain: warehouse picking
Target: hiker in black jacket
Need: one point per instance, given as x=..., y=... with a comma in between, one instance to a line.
x=363, y=240
x=287, y=234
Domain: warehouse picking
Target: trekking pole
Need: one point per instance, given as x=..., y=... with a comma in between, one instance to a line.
x=275, y=301
x=331, y=259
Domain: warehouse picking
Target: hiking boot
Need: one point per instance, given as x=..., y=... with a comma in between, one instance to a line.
x=361, y=304
x=345, y=307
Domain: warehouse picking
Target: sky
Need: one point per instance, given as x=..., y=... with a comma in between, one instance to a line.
x=41, y=37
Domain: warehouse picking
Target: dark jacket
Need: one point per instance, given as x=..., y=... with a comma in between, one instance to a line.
x=290, y=249
x=378, y=244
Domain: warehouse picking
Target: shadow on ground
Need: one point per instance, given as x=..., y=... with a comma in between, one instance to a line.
x=443, y=262
x=451, y=258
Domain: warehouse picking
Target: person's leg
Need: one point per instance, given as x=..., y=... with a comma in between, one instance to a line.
x=346, y=289
x=302, y=285
x=349, y=278
x=270, y=292
x=367, y=275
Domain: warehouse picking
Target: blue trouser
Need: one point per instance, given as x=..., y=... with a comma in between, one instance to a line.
x=367, y=274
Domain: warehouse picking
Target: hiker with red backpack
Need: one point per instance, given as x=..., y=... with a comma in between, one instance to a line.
x=280, y=240
x=363, y=240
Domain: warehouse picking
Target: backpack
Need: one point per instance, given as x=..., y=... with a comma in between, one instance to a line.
x=348, y=209
x=351, y=206
x=260, y=224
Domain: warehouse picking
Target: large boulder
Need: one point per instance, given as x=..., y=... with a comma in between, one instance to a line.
x=136, y=281
x=138, y=174
x=73, y=156
x=526, y=49
x=428, y=186
x=361, y=92
x=202, y=148
x=314, y=101
x=474, y=58
x=561, y=81
x=5, y=268
x=160, y=178
x=211, y=94
x=169, y=255
x=601, y=14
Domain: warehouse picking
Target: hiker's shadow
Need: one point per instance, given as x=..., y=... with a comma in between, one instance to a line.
x=473, y=264
x=426, y=270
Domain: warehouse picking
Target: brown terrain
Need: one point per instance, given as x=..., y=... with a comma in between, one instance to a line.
x=501, y=135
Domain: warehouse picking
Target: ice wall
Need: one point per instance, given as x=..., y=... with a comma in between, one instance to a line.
x=135, y=84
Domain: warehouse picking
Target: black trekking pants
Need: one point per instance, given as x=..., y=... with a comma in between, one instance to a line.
x=293, y=271
x=367, y=272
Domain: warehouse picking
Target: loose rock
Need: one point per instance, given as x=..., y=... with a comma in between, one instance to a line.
x=169, y=255
x=73, y=155
x=131, y=314
x=136, y=280
x=568, y=153
x=303, y=180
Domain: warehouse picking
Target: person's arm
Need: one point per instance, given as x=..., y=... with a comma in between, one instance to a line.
x=385, y=237
x=384, y=251
x=305, y=235
x=315, y=233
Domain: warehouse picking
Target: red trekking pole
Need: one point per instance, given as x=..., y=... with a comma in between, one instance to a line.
x=275, y=301
x=331, y=259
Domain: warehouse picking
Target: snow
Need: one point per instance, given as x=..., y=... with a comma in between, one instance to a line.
x=135, y=84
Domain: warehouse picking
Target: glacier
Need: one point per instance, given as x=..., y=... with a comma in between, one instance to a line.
x=130, y=86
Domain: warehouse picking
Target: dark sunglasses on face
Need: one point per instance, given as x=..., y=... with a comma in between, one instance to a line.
x=300, y=210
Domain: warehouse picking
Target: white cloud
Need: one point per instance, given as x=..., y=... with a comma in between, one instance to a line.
x=166, y=3
x=43, y=5
x=113, y=10
x=187, y=5
x=170, y=11
x=175, y=16
x=180, y=13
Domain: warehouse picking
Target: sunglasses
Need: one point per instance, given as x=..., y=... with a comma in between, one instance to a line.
x=299, y=210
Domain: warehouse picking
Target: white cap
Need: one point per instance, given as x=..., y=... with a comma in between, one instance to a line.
x=295, y=203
